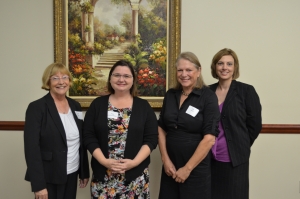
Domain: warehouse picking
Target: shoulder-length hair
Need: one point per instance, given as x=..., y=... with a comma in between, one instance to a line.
x=133, y=89
x=218, y=56
x=195, y=61
x=51, y=70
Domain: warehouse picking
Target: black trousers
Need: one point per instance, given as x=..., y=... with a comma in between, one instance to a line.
x=64, y=191
x=228, y=182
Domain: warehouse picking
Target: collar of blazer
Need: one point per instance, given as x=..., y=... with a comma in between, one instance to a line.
x=231, y=92
x=73, y=107
x=55, y=115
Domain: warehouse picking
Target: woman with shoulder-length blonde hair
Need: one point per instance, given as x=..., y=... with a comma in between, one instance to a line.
x=188, y=125
x=239, y=126
x=54, y=152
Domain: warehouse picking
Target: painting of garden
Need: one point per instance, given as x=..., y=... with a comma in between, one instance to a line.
x=103, y=32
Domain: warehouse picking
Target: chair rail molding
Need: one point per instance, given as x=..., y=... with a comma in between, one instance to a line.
x=266, y=128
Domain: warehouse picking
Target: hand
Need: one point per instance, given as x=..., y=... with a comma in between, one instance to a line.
x=127, y=164
x=42, y=194
x=115, y=166
x=169, y=168
x=182, y=174
x=83, y=182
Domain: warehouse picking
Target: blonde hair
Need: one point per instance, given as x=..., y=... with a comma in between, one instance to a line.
x=189, y=56
x=51, y=70
x=218, y=56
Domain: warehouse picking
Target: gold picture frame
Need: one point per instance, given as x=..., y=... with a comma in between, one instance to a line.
x=173, y=49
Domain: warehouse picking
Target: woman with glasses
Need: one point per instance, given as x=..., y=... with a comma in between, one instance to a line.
x=188, y=125
x=120, y=131
x=239, y=126
x=54, y=152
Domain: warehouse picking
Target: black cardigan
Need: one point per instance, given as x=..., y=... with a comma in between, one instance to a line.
x=142, y=130
x=241, y=120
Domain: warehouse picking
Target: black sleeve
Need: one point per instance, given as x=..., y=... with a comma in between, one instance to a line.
x=84, y=164
x=253, y=109
x=211, y=115
x=150, y=129
x=32, y=129
x=90, y=140
x=161, y=122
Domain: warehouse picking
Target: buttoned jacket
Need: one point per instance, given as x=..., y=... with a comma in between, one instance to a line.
x=241, y=120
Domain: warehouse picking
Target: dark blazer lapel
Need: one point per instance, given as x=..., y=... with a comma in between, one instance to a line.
x=55, y=116
x=73, y=109
x=231, y=93
x=77, y=120
x=213, y=87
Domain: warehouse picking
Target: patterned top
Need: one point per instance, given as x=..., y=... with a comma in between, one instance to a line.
x=114, y=185
x=118, y=132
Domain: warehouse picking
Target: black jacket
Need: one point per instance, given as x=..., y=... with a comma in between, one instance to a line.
x=46, y=145
x=241, y=120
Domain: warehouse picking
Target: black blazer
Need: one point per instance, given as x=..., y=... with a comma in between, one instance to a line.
x=142, y=129
x=241, y=120
x=46, y=146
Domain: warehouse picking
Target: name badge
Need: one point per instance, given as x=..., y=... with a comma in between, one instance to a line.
x=192, y=111
x=112, y=114
x=79, y=115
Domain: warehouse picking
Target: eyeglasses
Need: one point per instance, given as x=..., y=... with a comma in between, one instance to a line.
x=118, y=76
x=63, y=78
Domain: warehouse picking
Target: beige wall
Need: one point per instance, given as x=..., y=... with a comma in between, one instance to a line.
x=265, y=35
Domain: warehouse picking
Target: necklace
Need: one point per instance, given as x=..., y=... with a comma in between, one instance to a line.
x=185, y=94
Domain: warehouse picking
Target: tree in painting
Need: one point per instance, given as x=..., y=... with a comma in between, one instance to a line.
x=102, y=32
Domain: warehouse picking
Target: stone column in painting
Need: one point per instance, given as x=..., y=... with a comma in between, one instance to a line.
x=91, y=25
x=91, y=21
x=89, y=34
x=85, y=21
x=135, y=4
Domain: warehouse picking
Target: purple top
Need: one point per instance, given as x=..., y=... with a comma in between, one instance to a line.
x=220, y=150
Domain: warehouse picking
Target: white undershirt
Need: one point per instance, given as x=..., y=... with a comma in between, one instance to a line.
x=72, y=135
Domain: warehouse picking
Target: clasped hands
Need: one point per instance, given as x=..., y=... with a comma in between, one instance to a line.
x=180, y=175
x=119, y=166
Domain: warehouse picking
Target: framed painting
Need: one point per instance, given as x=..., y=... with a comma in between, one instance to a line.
x=91, y=35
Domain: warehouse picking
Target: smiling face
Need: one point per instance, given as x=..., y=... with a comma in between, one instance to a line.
x=121, y=79
x=225, y=68
x=59, y=84
x=226, y=60
x=187, y=74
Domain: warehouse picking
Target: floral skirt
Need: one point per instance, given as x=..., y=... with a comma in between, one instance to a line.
x=114, y=186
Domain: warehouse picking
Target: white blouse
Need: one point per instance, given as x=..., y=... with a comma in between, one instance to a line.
x=73, y=141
